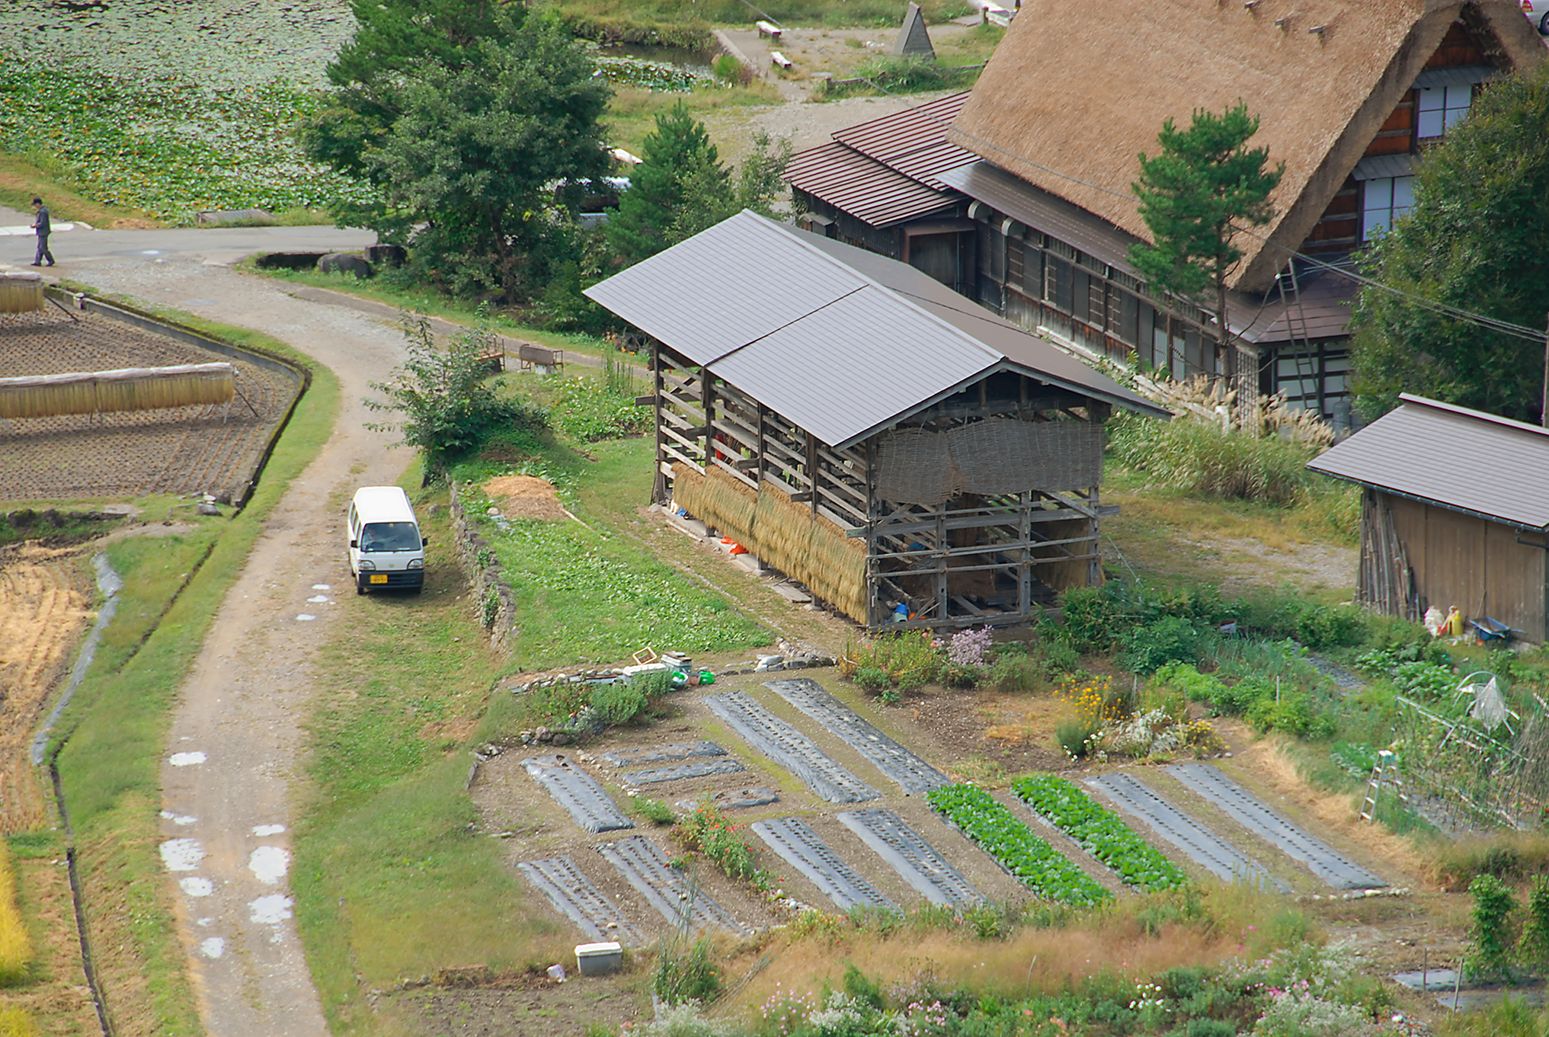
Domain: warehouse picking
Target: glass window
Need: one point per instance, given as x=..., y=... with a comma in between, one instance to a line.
x=1442, y=107
x=1032, y=270
x=390, y=536
x=1383, y=201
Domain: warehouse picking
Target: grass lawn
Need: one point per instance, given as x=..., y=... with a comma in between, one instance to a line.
x=110, y=742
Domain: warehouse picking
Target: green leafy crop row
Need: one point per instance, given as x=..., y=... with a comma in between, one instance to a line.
x=1099, y=831
x=1041, y=868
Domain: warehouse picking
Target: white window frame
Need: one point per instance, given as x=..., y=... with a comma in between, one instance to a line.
x=1384, y=200
x=1439, y=108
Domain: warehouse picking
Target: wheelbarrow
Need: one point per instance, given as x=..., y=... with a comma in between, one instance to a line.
x=1491, y=631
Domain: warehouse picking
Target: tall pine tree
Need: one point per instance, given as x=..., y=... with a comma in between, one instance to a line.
x=678, y=164
x=1196, y=194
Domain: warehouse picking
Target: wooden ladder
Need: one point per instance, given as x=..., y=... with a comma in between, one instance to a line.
x=1384, y=771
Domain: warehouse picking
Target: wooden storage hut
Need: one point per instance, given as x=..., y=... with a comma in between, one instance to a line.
x=1455, y=511
x=910, y=457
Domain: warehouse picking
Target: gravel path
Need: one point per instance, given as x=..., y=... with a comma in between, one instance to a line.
x=236, y=732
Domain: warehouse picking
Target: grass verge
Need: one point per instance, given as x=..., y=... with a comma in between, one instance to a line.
x=391, y=881
x=109, y=745
x=24, y=177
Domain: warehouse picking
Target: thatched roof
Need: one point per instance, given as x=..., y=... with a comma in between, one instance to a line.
x=1079, y=90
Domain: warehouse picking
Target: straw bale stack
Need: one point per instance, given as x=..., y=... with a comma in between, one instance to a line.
x=21, y=293
x=129, y=389
x=783, y=533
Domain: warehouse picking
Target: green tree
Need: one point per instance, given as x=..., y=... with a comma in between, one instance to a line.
x=1196, y=194
x=678, y=161
x=393, y=38
x=473, y=154
x=1489, y=937
x=1474, y=240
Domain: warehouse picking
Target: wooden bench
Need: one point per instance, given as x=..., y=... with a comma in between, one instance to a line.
x=780, y=60
x=769, y=29
x=529, y=356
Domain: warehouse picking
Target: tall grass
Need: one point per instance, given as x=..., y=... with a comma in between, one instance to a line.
x=1199, y=458
x=14, y=1022
x=15, y=946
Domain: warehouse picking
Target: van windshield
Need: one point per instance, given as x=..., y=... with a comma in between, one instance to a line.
x=390, y=536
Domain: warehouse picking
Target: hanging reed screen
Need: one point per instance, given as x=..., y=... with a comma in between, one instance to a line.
x=130, y=389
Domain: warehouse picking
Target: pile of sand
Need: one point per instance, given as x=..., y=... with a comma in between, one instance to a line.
x=525, y=496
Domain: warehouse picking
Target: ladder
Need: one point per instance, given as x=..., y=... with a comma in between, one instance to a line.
x=1384, y=772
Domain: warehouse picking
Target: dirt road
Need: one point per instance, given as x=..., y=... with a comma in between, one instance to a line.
x=235, y=736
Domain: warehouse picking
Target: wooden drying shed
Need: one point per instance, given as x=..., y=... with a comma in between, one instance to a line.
x=867, y=431
x=1455, y=511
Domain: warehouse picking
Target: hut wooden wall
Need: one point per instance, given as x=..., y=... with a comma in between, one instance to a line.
x=1479, y=566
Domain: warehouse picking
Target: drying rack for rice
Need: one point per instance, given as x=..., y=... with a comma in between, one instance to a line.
x=128, y=389
x=21, y=293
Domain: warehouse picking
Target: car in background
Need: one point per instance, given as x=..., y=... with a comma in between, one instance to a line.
x=1537, y=12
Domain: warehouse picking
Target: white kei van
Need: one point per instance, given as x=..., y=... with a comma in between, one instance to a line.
x=385, y=547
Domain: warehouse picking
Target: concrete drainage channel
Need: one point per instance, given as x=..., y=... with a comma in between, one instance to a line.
x=790, y=748
x=109, y=583
x=912, y=773
x=1246, y=809
x=1188, y=835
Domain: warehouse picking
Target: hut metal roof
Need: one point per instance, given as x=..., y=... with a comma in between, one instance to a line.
x=1461, y=459
x=841, y=341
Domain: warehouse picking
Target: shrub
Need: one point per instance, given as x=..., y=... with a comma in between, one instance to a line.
x=15, y=1022
x=1533, y=947
x=1075, y=736
x=872, y=679
x=589, y=410
x=686, y=973
x=908, y=660
x=617, y=703
x=970, y=647
x=710, y=832
x=1091, y=619
x=955, y=676
x=1489, y=936
x=1013, y=672
x=1293, y=713
x=728, y=69
x=653, y=810
x=653, y=684
x=1169, y=639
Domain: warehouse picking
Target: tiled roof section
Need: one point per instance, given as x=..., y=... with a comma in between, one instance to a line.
x=912, y=142
x=886, y=170
x=1452, y=456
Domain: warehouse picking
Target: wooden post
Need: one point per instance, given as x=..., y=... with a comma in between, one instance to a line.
x=659, y=494
x=1543, y=412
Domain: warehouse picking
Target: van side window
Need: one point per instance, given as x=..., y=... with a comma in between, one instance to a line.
x=353, y=530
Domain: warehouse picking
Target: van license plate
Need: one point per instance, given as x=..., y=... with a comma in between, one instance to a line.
x=379, y=578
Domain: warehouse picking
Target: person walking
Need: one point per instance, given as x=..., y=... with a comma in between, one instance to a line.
x=41, y=227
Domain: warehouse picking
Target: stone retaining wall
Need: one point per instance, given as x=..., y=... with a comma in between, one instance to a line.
x=493, y=603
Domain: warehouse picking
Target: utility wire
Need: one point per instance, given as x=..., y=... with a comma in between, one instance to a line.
x=1341, y=270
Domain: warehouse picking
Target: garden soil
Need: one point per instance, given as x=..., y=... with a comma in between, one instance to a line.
x=45, y=606
x=236, y=733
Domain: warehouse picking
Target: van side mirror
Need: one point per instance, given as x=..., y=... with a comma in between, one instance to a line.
x=424, y=541
x=354, y=543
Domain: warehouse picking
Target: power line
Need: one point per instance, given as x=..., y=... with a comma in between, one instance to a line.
x=1444, y=309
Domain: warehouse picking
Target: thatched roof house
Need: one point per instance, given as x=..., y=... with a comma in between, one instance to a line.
x=866, y=430
x=1349, y=95
x=1075, y=93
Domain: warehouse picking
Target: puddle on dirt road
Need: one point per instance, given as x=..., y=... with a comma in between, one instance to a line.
x=181, y=820
x=186, y=759
x=264, y=831
x=305, y=617
x=213, y=947
x=269, y=864
x=322, y=586
x=319, y=599
x=269, y=910
x=195, y=886
x=182, y=854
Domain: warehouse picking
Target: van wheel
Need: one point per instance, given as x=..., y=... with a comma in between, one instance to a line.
x=360, y=588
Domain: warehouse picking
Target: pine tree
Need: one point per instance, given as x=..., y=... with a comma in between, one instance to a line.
x=679, y=164
x=1196, y=194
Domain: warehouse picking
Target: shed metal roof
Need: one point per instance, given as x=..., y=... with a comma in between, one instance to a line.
x=841, y=341
x=914, y=141
x=1451, y=456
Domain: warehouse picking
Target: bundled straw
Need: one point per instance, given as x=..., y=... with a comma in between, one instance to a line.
x=783, y=533
x=21, y=293
x=100, y=392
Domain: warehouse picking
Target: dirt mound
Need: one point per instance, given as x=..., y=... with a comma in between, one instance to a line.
x=525, y=496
